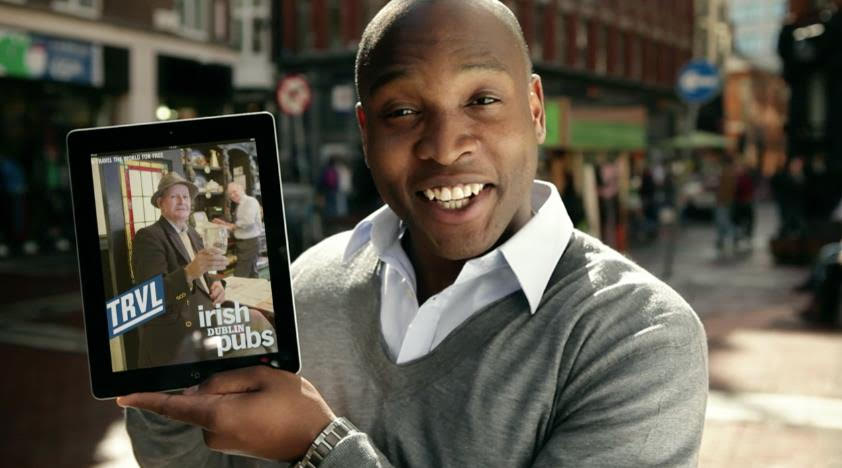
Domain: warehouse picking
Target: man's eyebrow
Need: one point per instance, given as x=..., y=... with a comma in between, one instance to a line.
x=489, y=64
x=386, y=78
x=486, y=63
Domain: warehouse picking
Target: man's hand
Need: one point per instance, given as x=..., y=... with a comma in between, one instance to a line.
x=207, y=259
x=217, y=292
x=256, y=411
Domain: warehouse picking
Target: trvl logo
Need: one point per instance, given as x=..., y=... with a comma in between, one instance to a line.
x=135, y=306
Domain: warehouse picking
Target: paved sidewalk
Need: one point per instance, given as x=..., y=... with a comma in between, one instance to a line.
x=775, y=382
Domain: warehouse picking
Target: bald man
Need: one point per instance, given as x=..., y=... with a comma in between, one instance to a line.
x=465, y=323
x=246, y=229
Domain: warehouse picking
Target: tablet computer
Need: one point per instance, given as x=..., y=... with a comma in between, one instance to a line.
x=182, y=251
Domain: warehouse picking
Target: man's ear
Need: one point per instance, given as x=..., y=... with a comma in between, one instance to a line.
x=361, y=124
x=536, y=107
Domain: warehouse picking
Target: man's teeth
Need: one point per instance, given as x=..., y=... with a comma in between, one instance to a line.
x=456, y=193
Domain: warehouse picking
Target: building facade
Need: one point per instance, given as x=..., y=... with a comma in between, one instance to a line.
x=68, y=64
x=608, y=69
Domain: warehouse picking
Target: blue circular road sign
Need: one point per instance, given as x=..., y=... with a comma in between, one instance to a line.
x=698, y=81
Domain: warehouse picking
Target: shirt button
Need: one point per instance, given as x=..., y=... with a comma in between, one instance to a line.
x=188, y=324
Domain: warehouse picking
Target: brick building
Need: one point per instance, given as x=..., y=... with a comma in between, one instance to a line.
x=608, y=69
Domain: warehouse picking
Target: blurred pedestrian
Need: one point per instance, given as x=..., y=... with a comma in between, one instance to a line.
x=744, y=206
x=725, y=191
x=789, y=193
x=13, y=188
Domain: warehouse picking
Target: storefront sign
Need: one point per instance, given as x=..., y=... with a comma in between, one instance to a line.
x=38, y=57
x=594, y=128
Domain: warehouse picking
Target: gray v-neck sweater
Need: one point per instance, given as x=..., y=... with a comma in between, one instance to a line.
x=611, y=370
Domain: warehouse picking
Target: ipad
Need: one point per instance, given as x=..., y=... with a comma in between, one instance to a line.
x=182, y=251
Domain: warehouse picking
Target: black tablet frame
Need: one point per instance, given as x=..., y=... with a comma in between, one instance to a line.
x=82, y=144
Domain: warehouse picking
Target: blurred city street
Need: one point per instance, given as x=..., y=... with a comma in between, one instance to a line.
x=776, y=383
x=701, y=138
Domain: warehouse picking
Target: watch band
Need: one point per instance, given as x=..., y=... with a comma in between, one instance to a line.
x=335, y=432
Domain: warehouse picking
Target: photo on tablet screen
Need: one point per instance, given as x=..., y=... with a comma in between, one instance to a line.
x=186, y=254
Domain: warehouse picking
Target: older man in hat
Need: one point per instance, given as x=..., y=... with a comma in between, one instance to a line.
x=171, y=248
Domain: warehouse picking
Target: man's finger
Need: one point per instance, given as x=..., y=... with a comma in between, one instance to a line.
x=247, y=379
x=193, y=409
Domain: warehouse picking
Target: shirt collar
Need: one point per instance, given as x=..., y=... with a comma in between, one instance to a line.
x=533, y=251
x=550, y=228
x=177, y=229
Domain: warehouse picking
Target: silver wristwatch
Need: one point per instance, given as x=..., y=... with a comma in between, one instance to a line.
x=329, y=438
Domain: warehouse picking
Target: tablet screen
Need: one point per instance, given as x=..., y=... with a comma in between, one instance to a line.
x=178, y=209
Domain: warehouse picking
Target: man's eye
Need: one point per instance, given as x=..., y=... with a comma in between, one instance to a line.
x=403, y=112
x=484, y=101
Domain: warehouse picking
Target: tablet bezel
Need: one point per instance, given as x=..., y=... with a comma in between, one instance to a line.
x=82, y=144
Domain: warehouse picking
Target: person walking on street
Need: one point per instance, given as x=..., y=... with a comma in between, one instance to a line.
x=744, y=207
x=725, y=192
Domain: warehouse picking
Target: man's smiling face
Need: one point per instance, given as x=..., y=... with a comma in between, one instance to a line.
x=451, y=121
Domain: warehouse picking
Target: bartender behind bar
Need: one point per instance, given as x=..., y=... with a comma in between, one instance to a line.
x=246, y=230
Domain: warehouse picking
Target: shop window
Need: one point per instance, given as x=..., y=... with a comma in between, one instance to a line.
x=86, y=8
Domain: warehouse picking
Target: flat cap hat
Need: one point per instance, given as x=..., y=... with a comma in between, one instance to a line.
x=168, y=180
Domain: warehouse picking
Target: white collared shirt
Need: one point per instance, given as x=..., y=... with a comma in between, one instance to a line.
x=525, y=261
x=247, y=218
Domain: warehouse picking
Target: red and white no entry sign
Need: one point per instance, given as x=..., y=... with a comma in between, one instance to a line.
x=293, y=94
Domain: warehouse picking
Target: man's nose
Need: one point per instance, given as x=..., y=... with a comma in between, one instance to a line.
x=446, y=137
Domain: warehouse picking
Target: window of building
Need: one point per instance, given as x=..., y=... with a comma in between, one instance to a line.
x=537, y=46
x=250, y=26
x=581, y=42
x=305, y=36
x=236, y=31
x=193, y=18
x=619, y=52
x=220, y=20
x=635, y=58
x=601, y=49
x=86, y=8
x=334, y=29
x=560, y=38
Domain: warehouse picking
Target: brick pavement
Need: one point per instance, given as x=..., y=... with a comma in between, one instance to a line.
x=776, y=383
